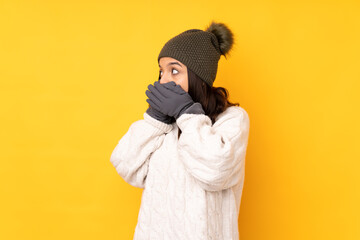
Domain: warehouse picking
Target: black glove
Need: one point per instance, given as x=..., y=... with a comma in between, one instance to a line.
x=172, y=100
x=159, y=115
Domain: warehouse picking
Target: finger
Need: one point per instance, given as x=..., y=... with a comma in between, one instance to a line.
x=175, y=88
x=156, y=92
x=179, y=89
x=170, y=84
x=153, y=98
x=154, y=101
x=163, y=90
x=151, y=95
x=152, y=104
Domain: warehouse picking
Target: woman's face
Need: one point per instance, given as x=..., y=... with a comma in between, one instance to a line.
x=173, y=70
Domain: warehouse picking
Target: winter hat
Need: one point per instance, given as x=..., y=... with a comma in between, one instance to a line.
x=200, y=50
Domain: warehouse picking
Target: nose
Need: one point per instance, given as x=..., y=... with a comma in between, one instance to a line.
x=164, y=79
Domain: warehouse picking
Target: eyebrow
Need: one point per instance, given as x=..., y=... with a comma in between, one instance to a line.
x=172, y=63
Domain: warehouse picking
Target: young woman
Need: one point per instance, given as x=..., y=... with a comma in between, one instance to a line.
x=188, y=153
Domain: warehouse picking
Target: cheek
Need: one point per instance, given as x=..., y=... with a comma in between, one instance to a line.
x=182, y=79
x=183, y=83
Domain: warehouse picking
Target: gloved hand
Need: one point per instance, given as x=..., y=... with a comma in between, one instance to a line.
x=159, y=115
x=169, y=98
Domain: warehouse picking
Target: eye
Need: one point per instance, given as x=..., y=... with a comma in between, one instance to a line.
x=172, y=72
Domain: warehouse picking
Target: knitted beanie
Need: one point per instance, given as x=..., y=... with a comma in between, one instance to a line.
x=200, y=50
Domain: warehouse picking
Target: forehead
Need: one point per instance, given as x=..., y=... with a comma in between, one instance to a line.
x=165, y=60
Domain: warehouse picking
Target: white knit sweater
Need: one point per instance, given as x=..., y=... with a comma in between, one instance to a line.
x=192, y=185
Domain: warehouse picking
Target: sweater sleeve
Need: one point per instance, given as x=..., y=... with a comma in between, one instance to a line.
x=132, y=153
x=214, y=154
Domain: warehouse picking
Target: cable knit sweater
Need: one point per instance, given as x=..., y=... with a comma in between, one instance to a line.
x=192, y=186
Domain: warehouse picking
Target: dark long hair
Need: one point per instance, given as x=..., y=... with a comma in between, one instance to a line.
x=214, y=100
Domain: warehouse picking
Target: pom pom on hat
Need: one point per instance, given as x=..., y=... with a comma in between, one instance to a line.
x=223, y=34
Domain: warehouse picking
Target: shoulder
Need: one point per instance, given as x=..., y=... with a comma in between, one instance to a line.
x=233, y=114
x=234, y=121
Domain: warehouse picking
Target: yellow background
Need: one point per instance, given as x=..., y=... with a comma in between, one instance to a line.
x=73, y=78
